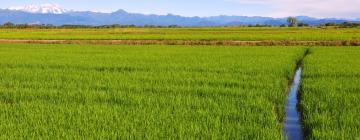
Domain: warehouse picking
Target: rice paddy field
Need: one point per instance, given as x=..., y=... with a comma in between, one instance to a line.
x=226, y=33
x=144, y=92
x=331, y=93
x=69, y=91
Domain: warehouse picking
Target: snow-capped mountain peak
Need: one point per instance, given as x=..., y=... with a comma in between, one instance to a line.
x=44, y=9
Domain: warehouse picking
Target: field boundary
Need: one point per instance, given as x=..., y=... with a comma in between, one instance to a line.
x=186, y=42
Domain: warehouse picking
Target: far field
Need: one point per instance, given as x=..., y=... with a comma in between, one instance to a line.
x=228, y=33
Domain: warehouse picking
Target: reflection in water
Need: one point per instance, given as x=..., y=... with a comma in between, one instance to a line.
x=292, y=126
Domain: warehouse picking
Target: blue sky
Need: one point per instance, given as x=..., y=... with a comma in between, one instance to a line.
x=274, y=8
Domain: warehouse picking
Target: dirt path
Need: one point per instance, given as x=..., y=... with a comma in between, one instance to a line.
x=186, y=42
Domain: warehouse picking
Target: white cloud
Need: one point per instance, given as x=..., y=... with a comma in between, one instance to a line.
x=316, y=8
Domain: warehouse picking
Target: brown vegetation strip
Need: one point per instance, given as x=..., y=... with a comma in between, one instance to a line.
x=187, y=42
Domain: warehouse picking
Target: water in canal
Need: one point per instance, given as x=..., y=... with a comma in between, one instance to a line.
x=292, y=125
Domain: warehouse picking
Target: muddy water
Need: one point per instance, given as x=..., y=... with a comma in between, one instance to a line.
x=292, y=125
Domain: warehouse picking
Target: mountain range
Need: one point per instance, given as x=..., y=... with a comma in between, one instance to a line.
x=54, y=14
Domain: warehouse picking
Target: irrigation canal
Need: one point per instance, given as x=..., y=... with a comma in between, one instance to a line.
x=292, y=126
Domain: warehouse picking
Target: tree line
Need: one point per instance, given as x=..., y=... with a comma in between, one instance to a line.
x=293, y=22
x=51, y=26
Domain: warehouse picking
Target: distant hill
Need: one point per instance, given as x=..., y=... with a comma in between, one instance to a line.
x=54, y=15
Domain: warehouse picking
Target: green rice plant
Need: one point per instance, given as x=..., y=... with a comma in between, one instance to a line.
x=144, y=92
x=219, y=33
x=331, y=93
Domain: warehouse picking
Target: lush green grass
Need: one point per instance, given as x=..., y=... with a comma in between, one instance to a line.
x=247, y=34
x=331, y=93
x=144, y=92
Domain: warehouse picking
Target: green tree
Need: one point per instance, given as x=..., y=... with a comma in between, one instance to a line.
x=8, y=24
x=292, y=21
